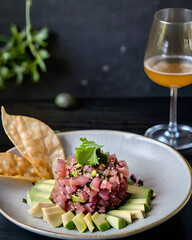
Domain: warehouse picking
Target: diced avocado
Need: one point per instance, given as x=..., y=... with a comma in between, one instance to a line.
x=100, y=222
x=137, y=200
x=139, y=196
x=75, y=198
x=137, y=214
x=44, y=185
x=54, y=219
x=45, y=181
x=54, y=209
x=43, y=188
x=115, y=222
x=75, y=174
x=93, y=173
x=34, y=197
x=135, y=189
x=89, y=222
x=140, y=200
x=40, y=192
x=49, y=212
x=133, y=206
x=36, y=210
x=79, y=222
x=67, y=220
x=125, y=214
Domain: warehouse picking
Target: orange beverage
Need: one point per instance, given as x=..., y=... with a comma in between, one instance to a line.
x=169, y=71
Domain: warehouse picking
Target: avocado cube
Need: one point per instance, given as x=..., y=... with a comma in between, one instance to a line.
x=138, y=200
x=89, y=222
x=125, y=214
x=100, y=222
x=135, y=189
x=137, y=214
x=36, y=210
x=79, y=222
x=44, y=185
x=140, y=196
x=75, y=198
x=67, y=220
x=49, y=210
x=133, y=206
x=54, y=219
x=45, y=181
x=115, y=222
x=34, y=197
x=43, y=188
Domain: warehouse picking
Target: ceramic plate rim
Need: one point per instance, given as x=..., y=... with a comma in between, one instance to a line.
x=107, y=236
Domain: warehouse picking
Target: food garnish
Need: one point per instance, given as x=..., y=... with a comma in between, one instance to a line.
x=89, y=153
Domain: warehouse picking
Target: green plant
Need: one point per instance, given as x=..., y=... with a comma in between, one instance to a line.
x=24, y=52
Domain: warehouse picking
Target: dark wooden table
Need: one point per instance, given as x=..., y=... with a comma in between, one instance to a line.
x=131, y=115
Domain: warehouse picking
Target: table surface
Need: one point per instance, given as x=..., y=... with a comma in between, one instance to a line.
x=130, y=115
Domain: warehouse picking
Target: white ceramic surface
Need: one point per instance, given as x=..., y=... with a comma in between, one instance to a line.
x=162, y=169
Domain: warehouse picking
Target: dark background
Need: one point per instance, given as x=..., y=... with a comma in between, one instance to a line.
x=97, y=47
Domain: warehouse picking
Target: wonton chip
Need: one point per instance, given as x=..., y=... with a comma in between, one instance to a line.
x=35, y=140
x=13, y=166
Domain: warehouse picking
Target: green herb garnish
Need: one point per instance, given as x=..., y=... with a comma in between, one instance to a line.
x=89, y=153
x=23, y=53
x=24, y=200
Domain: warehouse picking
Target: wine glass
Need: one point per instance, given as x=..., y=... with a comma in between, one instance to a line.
x=168, y=62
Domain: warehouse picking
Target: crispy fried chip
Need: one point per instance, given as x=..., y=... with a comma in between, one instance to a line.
x=13, y=166
x=35, y=140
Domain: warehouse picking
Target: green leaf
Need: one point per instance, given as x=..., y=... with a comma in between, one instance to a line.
x=4, y=71
x=35, y=75
x=44, y=53
x=15, y=32
x=41, y=35
x=19, y=78
x=86, y=154
x=24, y=52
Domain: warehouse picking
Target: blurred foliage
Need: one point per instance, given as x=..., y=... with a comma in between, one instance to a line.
x=23, y=53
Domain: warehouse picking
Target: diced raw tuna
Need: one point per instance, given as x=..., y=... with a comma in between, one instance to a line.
x=79, y=207
x=106, y=185
x=95, y=183
x=82, y=180
x=100, y=193
x=104, y=194
x=71, y=189
x=61, y=201
x=101, y=209
x=69, y=182
x=83, y=196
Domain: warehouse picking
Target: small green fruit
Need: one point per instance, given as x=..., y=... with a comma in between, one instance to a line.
x=65, y=100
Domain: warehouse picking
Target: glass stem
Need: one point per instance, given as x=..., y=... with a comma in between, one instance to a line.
x=173, y=131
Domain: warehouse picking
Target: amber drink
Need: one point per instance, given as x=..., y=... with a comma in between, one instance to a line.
x=168, y=62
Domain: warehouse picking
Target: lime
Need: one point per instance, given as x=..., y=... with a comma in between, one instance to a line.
x=65, y=100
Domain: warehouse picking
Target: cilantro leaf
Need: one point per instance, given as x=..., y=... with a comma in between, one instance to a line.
x=87, y=153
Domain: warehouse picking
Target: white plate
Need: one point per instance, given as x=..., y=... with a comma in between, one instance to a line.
x=162, y=169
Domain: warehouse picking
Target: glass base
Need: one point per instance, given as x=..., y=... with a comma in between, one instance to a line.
x=182, y=141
